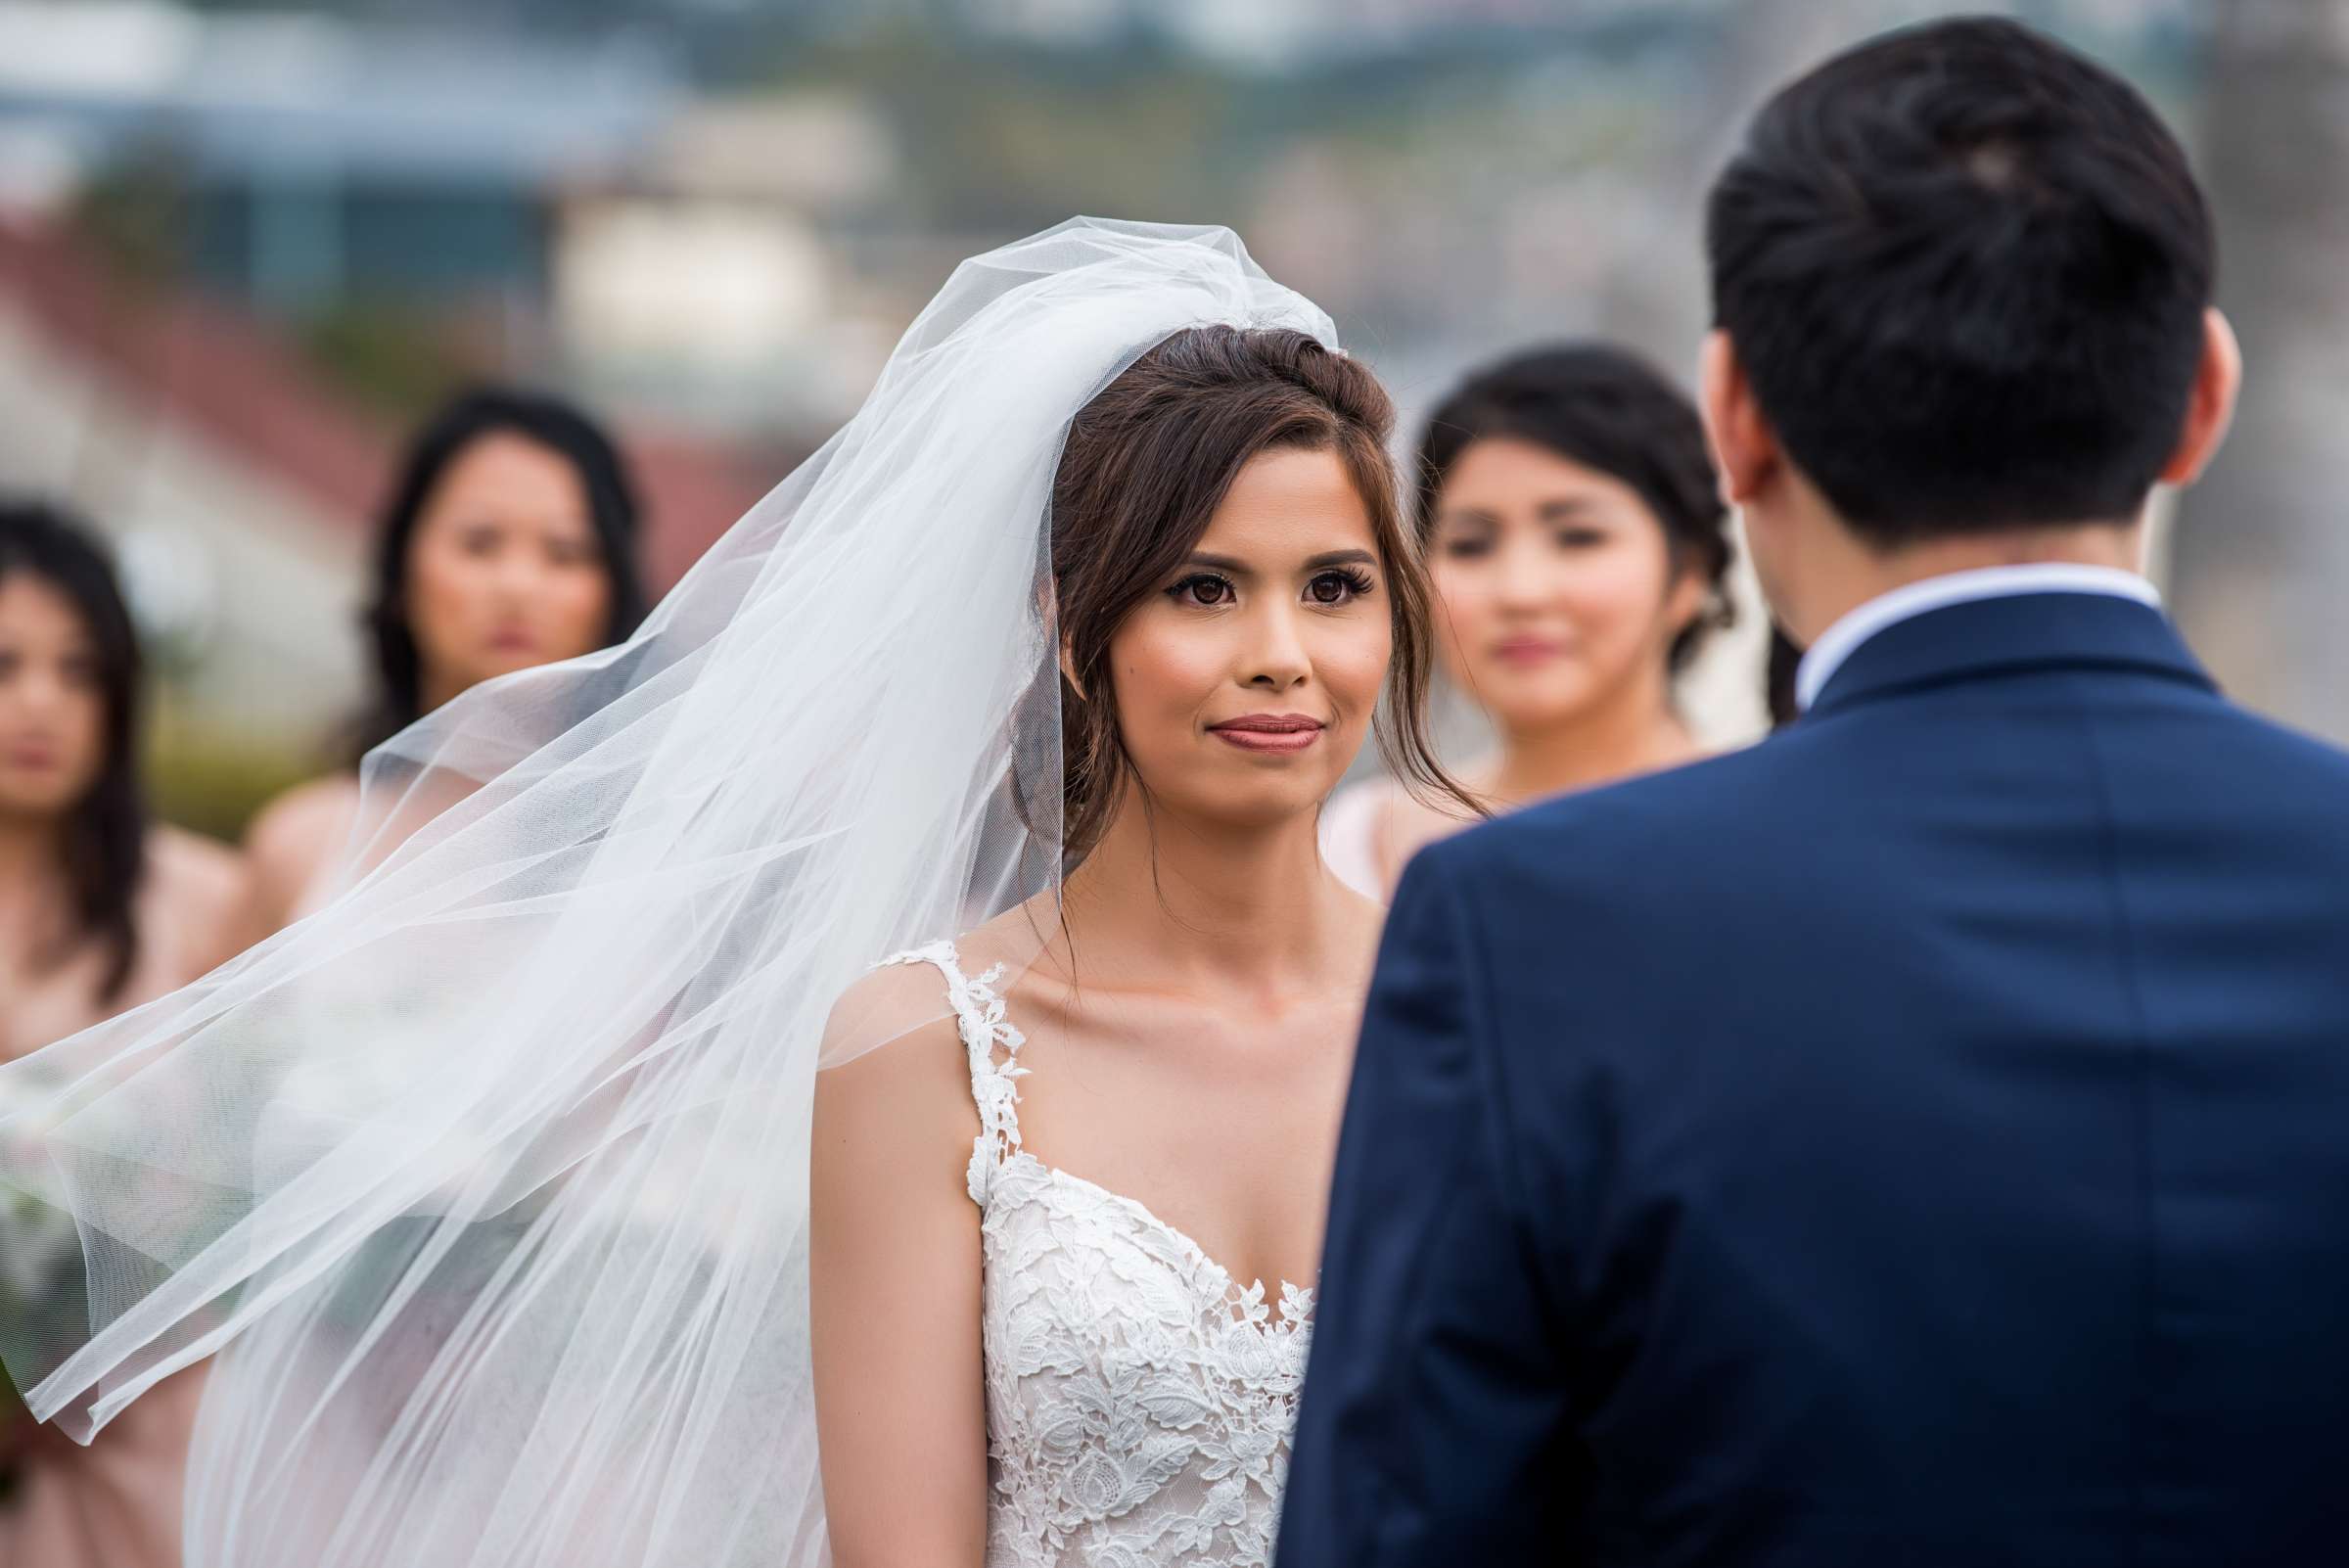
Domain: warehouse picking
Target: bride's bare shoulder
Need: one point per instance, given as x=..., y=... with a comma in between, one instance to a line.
x=898, y=998
x=895, y=1076
x=906, y=997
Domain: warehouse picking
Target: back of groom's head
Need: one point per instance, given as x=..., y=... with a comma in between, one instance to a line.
x=1964, y=270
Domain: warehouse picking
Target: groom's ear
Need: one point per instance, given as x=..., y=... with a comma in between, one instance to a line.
x=1744, y=446
x=2210, y=406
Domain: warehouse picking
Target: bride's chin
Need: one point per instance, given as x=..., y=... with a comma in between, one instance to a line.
x=1263, y=804
x=1292, y=802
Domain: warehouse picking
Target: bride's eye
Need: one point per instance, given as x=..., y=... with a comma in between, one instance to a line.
x=1204, y=589
x=1338, y=587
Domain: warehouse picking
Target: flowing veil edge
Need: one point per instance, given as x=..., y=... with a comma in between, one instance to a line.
x=485, y=1185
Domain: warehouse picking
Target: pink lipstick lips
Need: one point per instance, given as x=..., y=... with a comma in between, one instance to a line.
x=1270, y=732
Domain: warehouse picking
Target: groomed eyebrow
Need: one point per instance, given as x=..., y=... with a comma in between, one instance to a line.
x=1312, y=562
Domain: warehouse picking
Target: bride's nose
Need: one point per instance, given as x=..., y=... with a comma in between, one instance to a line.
x=1277, y=659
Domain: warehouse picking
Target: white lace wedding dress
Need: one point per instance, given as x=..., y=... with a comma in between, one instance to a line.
x=1139, y=1402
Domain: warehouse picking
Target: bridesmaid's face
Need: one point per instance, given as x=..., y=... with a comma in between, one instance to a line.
x=1555, y=587
x=52, y=701
x=1245, y=686
x=504, y=571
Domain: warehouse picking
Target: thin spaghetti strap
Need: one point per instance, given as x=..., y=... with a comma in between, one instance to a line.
x=992, y=1044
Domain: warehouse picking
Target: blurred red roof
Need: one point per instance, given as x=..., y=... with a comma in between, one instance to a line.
x=203, y=363
x=244, y=386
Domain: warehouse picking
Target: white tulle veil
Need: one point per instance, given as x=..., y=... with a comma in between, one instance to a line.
x=487, y=1185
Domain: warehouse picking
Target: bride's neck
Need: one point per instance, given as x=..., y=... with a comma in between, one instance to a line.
x=1207, y=897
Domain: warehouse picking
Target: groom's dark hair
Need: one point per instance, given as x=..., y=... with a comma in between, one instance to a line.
x=1964, y=270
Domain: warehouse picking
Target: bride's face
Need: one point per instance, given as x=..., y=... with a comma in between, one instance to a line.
x=1244, y=685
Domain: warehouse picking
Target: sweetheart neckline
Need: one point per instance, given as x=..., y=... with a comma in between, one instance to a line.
x=983, y=1021
x=1231, y=1286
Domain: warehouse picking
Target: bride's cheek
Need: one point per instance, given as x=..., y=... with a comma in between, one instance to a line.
x=1167, y=675
x=1355, y=669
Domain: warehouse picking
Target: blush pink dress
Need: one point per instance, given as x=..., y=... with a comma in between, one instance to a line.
x=117, y=1503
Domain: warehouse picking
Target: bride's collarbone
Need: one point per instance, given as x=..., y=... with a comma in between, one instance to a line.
x=1228, y=1144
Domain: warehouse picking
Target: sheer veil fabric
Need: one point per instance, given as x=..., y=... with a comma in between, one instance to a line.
x=487, y=1183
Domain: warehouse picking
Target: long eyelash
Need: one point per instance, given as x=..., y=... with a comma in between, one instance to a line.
x=1358, y=583
x=1178, y=589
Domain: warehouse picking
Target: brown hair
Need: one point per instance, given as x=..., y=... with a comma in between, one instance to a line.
x=1145, y=466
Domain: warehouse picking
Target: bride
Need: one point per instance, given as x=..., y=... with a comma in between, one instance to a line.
x=1124, y=1346
x=507, y=1190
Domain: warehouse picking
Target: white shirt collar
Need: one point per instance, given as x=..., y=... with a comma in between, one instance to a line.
x=1839, y=642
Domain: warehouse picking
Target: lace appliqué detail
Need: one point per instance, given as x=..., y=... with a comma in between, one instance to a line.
x=979, y=1018
x=1139, y=1402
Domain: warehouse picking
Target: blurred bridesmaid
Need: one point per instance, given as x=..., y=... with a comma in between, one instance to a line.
x=1578, y=543
x=510, y=541
x=101, y=909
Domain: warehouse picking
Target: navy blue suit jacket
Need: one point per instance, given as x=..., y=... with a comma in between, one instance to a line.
x=1922, y=1138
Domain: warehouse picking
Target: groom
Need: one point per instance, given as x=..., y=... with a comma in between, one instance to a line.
x=1922, y=1138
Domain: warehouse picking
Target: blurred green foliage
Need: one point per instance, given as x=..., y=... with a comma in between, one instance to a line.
x=136, y=211
x=399, y=358
x=214, y=783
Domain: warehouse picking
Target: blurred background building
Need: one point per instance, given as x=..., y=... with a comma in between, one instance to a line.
x=241, y=247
